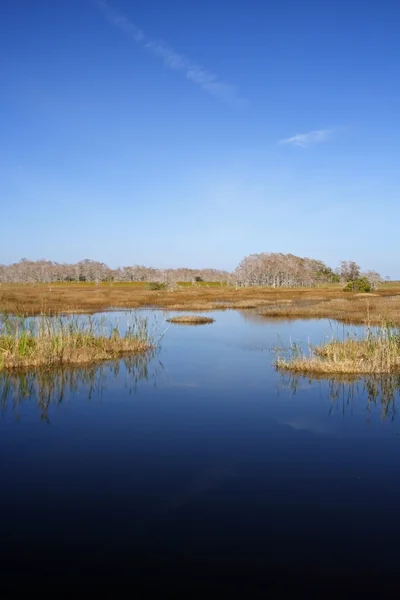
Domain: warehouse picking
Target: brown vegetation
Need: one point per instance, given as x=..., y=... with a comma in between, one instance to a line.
x=190, y=320
x=378, y=352
x=325, y=302
x=48, y=342
x=356, y=309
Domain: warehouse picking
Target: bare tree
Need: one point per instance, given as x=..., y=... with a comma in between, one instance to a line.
x=374, y=278
x=281, y=270
x=348, y=270
x=43, y=271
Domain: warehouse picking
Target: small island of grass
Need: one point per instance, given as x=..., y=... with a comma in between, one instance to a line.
x=190, y=320
x=377, y=353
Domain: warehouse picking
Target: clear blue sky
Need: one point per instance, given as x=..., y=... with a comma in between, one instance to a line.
x=174, y=133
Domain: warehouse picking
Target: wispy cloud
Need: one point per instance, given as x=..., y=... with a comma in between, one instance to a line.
x=206, y=80
x=307, y=139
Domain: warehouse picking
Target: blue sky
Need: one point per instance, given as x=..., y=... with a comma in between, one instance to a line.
x=172, y=133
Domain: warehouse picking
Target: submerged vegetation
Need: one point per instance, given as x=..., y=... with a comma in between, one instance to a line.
x=376, y=353
x=190, y=320
x=56, y=341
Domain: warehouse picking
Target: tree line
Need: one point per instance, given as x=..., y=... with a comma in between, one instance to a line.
x=266, y=269
x=46, y=271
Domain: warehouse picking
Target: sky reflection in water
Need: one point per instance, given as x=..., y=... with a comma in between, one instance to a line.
x=201, y=453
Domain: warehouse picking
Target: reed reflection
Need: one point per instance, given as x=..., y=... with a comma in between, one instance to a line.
x=378, y=391
x=53, y=387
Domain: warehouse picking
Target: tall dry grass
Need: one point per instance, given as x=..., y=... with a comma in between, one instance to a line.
x=377, y=352
x=49, y=341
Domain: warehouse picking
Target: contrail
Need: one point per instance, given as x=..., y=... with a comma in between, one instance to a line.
x=206, y=80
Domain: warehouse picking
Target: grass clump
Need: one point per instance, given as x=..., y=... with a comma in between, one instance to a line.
x=155, y=285
x=376, y=353
x=55, y=341
x=190, y=320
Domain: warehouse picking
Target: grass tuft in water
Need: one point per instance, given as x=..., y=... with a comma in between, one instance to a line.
x=48, y=341
x=377, y=352
x=190, y=320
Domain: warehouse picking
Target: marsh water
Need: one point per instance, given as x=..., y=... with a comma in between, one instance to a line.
x=200, y=460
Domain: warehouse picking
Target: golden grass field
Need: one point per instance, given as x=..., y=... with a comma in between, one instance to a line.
x=351, y=309
x=325, y=302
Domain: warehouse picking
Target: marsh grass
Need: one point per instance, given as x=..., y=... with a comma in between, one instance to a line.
x=34, y=299
x=358, y=309
x=49, y=341
x=190, y=320
x=377, y=352
x=328, y=302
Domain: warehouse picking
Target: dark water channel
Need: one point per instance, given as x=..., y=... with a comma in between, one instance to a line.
x=201, y=465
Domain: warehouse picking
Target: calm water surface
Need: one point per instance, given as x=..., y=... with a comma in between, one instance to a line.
x=201, y=464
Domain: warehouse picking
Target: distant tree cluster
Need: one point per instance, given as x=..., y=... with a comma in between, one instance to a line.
x=288, y=270
x=283, y=270
x=265, y=269
x=45, y=271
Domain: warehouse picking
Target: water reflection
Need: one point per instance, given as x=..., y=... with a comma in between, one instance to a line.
x=379, y=391
x=52, y=387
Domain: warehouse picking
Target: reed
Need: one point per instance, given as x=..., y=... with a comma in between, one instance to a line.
x=69, y=340
x=377, y=352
